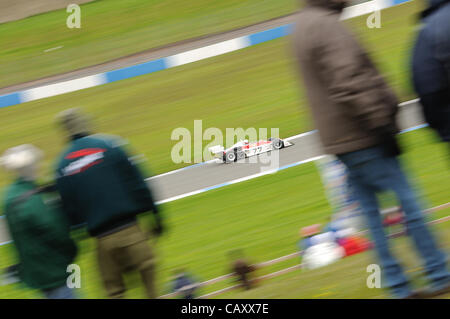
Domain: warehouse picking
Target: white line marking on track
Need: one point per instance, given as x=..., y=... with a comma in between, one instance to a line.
x=62, y=87
x=53, y=49
x=409, y=102
x=181, y=196
x=299, y=135
x=286, y=139
x=207, y=52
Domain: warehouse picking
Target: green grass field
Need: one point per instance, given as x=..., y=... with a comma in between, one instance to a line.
x=344, y=280
x=203, y=228
x=255, y=87
x=111, y=29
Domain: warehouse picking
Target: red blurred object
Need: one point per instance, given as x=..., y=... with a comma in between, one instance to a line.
x=354, y=245
x=393, y=219
x=310, y=230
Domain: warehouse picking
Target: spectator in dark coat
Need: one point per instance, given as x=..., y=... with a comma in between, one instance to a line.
x=101, y=186
x=431, y=66
x=242, y=269
x=355, y=111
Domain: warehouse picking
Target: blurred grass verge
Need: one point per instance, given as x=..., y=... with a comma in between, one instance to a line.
x=255, y=87
x=345, y=279
x=112, y=29
x=203, y=228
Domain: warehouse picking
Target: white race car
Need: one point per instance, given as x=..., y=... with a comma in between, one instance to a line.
x=244, y=149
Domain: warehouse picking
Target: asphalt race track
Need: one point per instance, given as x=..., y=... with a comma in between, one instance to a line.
x=209, y=175
x=206, y=175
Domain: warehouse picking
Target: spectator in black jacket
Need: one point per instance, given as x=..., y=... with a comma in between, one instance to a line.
x=102, y=187
x=431, y=66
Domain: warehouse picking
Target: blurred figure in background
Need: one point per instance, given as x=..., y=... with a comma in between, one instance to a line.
x=355, y=112
x=39, y=229
x=102, y=187
x=318, y=247
x=242, y=269
x=431, y=66
x=306, y=235
x=184, y=284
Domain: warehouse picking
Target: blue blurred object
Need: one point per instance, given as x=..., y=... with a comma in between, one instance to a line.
x=368, y=169
x=185, y=285
x=431, y=66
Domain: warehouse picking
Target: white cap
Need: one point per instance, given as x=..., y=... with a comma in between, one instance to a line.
x=22, y=160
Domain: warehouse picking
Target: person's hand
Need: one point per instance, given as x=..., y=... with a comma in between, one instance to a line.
x=388, y=141
x=158, y=229
x=391, y=146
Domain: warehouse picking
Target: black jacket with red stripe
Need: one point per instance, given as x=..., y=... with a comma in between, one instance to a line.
x=100, y=186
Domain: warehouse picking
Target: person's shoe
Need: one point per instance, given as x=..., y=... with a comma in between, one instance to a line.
x=417, y=294
x=438, y=292
x=428, y=293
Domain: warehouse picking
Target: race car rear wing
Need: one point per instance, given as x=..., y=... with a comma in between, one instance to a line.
x=216, y=149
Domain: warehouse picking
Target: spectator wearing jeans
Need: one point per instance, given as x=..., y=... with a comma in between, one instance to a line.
x=355, y=113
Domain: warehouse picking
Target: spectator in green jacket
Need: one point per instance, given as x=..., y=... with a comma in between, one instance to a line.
x=103, y=188
x=38, y=227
